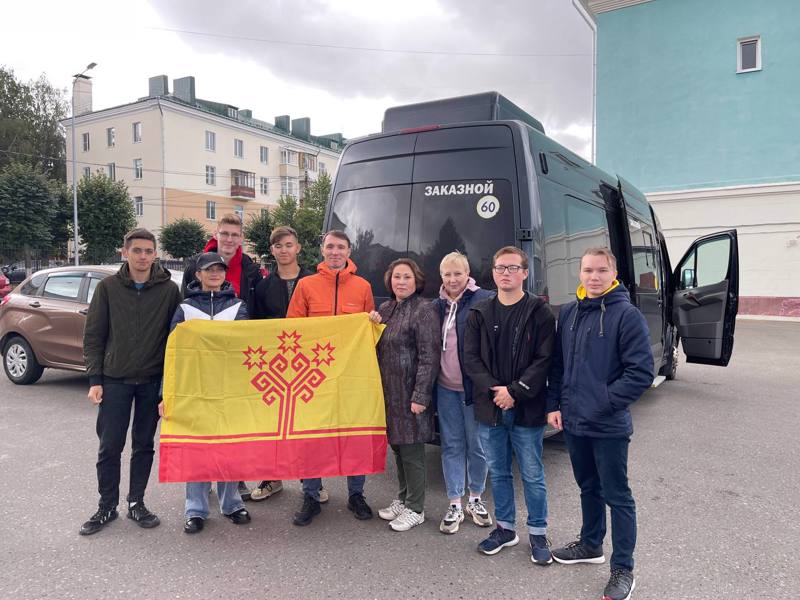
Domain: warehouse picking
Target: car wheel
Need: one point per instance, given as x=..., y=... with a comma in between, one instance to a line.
x=20, y=362
x=670, y=368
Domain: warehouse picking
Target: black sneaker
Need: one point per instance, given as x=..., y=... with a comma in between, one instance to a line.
x=576, y=552
x=143, y=517
x=98, y=520
x=244, y=491
x=620, y=585
x=240, y=517
x=540, y=549
x=359, y=506
x=193, y=525
x=499, y=538
x=306, y=514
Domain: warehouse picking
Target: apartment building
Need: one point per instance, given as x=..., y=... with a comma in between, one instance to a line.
x=184, y=157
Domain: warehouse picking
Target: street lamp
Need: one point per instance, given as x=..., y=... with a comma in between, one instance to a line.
x=83, y=75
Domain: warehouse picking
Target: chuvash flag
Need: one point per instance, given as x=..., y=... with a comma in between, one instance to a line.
x=272, y=399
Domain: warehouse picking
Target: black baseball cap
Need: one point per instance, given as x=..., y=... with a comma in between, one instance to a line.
x=209, y=259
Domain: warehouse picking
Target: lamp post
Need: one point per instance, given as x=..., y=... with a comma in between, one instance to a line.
x=75, y=166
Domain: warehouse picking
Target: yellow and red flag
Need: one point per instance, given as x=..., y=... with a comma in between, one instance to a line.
x=272, y=399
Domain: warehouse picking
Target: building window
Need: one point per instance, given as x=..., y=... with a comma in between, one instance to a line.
x=211, y=210
x=211, y=141
x=138, y=206
x=239, y=210
x=110, y=137
x=748, y=54
x=289, y=186
x=211, y=175
x=265, y=185
x=264, y=155
x=85, y=138
x=112, y=171
x=322, y=168
x=238, y=148
x=137, y=168
x=137, y=132
x=233, y=113
x=87, y=171
x=288, y=157
x=309, y=162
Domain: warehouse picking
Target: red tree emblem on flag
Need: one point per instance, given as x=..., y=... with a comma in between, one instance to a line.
x=285, y=379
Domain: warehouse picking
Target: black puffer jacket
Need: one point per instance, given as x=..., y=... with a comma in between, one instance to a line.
x=530, y=364
x=272, y=298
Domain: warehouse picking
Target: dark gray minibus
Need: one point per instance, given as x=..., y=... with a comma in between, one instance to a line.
x=476, y=173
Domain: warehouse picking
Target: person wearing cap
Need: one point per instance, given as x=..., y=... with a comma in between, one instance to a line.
x=335, y=289
x=273, y=294
x=210, y=297
x=242, y=273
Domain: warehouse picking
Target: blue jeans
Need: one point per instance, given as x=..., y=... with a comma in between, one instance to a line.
x=600, y=466
x=355, y=485
x=501, y=443
x=461, y=448
x=197, y=498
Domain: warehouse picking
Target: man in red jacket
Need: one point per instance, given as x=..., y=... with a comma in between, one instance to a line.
x=334, y=290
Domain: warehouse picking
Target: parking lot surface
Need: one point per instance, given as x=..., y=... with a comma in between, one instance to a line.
x=714, y=466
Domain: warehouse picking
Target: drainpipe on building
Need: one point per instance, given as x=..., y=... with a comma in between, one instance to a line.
x=163, y=169
x=583, y=12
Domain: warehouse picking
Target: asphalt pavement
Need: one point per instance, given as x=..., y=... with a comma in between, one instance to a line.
x=714, y=466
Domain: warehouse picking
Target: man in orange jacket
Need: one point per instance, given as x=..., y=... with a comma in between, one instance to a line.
x=335, y=289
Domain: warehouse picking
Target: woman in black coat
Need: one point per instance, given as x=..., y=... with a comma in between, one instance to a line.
x=408, y=356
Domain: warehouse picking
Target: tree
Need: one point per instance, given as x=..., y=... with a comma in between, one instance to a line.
x=61, y=224
x=183, y=238
x=105, y=215
x=257, y=230
x=30, y=128
x=27, y=208
x=310, y=217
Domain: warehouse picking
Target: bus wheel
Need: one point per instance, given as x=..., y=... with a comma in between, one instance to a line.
x=670, y=368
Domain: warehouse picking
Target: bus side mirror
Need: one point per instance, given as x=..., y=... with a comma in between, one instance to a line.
x=687, y=279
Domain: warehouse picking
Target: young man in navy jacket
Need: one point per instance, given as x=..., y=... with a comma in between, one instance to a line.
x=602, y=363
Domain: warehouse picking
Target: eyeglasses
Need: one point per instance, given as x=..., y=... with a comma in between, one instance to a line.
x=513, y=269
x=227, y=234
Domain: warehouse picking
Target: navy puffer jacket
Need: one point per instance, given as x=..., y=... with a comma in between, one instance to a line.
x=214, y=306
x=601, y=364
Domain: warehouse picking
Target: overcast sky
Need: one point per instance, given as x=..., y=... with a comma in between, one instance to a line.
x=339, y=62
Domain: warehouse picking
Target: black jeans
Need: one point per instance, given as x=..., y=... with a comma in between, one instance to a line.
x=600, y=466
x=113, y=417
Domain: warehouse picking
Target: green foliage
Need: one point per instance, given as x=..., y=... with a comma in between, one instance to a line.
x=30, y=131
x=183, y=238
x=61, y=224
x=256, y=232
x=27, y=207
x=105, y=215
x=309, y=219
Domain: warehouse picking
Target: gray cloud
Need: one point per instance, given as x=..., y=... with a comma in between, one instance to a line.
x=555, y=87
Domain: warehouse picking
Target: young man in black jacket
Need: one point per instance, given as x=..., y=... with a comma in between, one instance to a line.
x=507, y=350
x=123, y=346
x=602, y=364
x=272, y=301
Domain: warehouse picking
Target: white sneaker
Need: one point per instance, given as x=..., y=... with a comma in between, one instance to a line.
x=407, y=519
x=480, y=516
x=391, y=512
x=452, y=519
x=323, y=495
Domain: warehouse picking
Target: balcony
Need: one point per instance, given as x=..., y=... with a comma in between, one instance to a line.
x=243, y=184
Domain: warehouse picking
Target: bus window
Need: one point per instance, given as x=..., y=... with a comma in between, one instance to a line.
x=376, y=220
x=570, y=226
x=646, y=267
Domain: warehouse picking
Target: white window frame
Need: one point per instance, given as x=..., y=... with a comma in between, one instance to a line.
x=239, y=210
x=112, y=171
x=289, y=157
x=211, y=210
x=739, y=44
x=321, y=167
x=138, y=168
x=111, y=137
x=138, y=206
x=264, y=184
x=211, y=141
x=238, y=148
x=211, y=175
x=87, y=171
x=137, y=132
x=264, y=154
x=85, y=142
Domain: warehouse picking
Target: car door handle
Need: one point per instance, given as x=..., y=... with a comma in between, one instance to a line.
x=34, y=304
x=691, y=298
x=84, y=311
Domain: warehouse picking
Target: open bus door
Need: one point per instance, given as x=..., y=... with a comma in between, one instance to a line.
x=706, y=297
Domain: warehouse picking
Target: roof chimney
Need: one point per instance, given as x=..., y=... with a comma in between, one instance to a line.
x=246, y=113
x=184, y=89
x=158, y=86
x=82, y=95
x=282, y=123
x=301, y=128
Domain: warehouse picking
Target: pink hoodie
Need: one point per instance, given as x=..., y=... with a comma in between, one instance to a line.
x=450, y=369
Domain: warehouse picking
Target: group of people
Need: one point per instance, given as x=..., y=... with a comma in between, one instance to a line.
x=491, y=366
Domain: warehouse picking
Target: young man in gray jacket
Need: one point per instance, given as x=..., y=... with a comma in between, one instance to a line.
x=123, y=346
